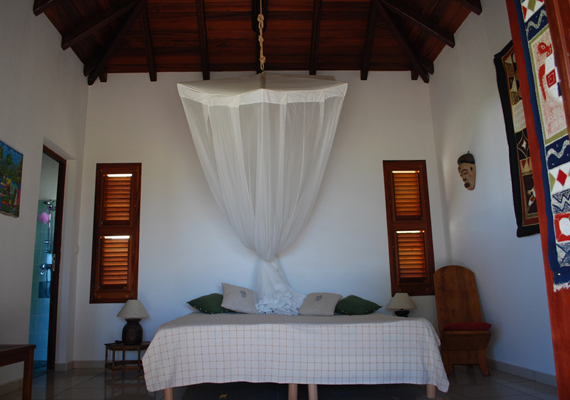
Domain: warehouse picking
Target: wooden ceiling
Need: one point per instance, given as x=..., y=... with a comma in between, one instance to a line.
x=152, y=36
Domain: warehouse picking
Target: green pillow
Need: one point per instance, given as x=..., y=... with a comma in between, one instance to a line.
x=354, y=305
x=209, y=304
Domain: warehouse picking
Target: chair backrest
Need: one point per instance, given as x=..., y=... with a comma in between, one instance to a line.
x=456, y=296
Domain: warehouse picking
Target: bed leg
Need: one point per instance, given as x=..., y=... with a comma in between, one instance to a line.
x=169, y=394
x=292, y=391
x=430, y=391
x=313, y=394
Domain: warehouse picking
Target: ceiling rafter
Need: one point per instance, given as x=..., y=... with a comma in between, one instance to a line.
x=96, y=23
x=41, y=5
x=403, y=40
x=377, y=35
x=472, y=5
x=147, y=38
x=116, y=41
x=316, y=31
x=420, y=21
x=203, y=37
x=368, y=41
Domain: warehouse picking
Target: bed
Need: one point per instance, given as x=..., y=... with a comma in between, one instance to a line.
x=341, y=349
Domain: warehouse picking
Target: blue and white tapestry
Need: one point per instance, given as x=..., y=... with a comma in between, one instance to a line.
x=551, y=131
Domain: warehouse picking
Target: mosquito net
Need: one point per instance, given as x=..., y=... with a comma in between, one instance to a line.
x=263, y=143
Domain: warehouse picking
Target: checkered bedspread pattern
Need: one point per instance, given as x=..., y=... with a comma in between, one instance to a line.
x=374, y=349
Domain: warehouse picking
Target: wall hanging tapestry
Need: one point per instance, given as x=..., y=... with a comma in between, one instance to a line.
x=551, y=132
x=10, y=180
x=524, y=196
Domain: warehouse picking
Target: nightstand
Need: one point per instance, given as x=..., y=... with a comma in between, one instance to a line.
x=123, y=364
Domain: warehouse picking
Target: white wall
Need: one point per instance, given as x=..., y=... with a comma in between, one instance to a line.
x=43, y=99
x=188, y=249
x=481, y=232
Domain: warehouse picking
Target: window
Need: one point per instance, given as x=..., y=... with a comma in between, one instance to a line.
x=114, y=270
x=409, y=227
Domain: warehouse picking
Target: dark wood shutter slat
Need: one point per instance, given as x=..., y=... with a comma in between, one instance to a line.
x=114, y=261
x=407, y=197
x=117, y=199
x=411, y=255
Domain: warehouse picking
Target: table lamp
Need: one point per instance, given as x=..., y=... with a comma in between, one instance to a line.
x=133, y=311
x=402, y=303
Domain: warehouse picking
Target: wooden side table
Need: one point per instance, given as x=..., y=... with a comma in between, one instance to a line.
x=122, y=365
x=13, y=353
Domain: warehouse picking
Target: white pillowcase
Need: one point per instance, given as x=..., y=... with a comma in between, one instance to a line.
x=239, y=299
x=320, y=304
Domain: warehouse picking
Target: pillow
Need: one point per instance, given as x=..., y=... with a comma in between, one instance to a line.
x=354, y=305
x=467, y=326
x=239, y=299
x=209, y=304
x=319, y=304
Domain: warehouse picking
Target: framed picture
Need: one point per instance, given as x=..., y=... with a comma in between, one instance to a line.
x=11, y=163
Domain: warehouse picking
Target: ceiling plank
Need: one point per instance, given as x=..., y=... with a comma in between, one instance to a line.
x=116, y=41
x=421, y=22
x=203, y=37
x=96, y=23
x=316, y=31
x=403, y=40
x=472, y=5
x=41, y=5
x=368, y=42
x=145, y=27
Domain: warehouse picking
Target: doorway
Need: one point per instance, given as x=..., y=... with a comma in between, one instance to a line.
x=45, y=282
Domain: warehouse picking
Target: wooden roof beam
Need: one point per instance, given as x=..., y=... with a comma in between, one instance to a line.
x=420, y=21
x=317, y=14
x=403, y=40
x=41, y=5
x=116, y=41
x=472, y=5
x=96, y=23
x=368, y=41
x=203, y=38
x=145, y=27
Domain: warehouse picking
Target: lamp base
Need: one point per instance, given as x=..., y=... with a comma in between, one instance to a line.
x=132, y=332
x=402, y=313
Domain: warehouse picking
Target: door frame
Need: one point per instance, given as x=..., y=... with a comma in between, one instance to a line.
x=57, y=235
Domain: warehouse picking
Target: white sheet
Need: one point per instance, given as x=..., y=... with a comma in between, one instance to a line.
x=368, y=349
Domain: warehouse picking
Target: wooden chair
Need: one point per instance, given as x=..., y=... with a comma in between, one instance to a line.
x=464, y=336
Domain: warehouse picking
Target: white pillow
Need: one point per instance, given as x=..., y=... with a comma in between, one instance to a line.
x=320, y=304
x=239, y=299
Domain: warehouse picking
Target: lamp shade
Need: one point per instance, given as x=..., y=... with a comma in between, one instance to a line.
x=401, y=301
x=133, y=309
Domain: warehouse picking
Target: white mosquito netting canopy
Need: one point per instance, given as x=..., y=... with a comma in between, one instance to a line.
x=263, y=142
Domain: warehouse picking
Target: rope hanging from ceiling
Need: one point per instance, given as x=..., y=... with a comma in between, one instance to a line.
x=260, y=20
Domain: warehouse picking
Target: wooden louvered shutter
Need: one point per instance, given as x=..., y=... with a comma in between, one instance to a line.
x=409, y=227
x=114, y=276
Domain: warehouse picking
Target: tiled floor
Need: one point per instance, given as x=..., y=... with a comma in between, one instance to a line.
x=95, y=384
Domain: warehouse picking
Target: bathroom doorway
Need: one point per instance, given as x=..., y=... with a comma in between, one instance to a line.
x=45, y=282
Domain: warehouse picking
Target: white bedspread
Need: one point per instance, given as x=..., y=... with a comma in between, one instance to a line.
x=367, y=349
